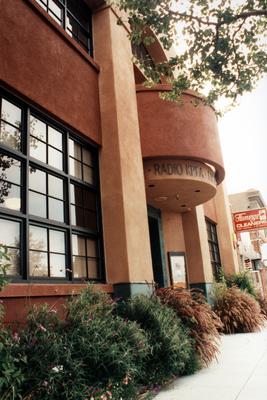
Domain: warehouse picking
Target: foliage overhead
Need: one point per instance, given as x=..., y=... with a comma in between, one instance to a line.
x=221, y=45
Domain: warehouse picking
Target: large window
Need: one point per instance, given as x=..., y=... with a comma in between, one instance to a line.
x=49, y=198
x=214, y=249
x=74, y=16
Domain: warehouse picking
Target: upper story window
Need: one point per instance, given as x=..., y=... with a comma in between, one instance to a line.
x=49, y=198
x=142, y=54
x=74, y=16
x=214, y=248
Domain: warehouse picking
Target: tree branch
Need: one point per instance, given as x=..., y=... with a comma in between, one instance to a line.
x=244, y=15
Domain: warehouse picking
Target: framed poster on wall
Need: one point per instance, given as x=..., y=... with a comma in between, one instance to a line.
x=177, y=266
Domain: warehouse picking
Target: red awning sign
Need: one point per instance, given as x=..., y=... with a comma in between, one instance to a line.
x=250, y=220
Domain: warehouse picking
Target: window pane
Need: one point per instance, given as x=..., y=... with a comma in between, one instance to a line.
x=87, y=157
x=57, y=241
x=76, y=195
x=55, y=158
x=38, y=263
x=10, y=196
x=55, y=9
x=37, y=180
x=92, y=266
x=11, y=113
x=79, y=11
x=88, y=175
x=38, y=238
x=10, y=136
x=41, y=2
x=14, y=261
x=90, y=220
x=74, y=150
x=55, y=138
x=37, y=149
x=75, y=168
x=91, y=248
x=9, y=169
x=89, y=200
x=9, y=233
x=79, y=267
x=78, y=245
x=56, y=210
x=37, y=204
x=77, y=216
x=72, y=27
x=57, y=265
x=55, y=187
x=83, y=38
x=37, y=129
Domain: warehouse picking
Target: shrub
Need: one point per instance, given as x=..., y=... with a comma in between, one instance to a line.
x=242, y=280
x=172, y=350
x=238, y=311
x=12, y=363
x=91, y=354
x=263, y=304
x=4, y=258
x=197, y=315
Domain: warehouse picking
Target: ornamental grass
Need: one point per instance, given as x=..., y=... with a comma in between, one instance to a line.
x=263, y=305
x=238, y=311
x=197, y=315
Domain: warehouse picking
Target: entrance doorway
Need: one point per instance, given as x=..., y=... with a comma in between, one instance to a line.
x=157, y=247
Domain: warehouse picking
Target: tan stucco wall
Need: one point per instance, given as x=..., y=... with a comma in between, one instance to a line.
x=126, y=236
x=210, y=210
x=173, y=234
x=225, y=231
x=196, y=244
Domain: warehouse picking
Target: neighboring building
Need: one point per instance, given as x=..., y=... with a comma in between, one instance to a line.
x=101, y=180
x=250, y=242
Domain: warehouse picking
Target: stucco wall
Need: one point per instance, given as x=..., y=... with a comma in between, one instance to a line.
x=41, y=62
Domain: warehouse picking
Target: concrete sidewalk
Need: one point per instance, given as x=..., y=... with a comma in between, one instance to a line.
x=239, y=374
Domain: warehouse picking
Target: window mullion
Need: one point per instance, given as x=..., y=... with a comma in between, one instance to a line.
x=69, y=257
x=25, y=240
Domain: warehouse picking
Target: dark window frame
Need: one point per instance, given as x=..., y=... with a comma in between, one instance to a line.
x=214, y=248
x=27, y=219
x=63, y=4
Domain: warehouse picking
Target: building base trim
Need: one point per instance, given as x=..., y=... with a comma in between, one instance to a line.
x=205, y=288
x=128, y=289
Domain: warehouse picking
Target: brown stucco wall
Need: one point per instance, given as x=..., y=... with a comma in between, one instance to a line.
x=19, y=298
x=124, y=211
x=210, y=210
x=41, y=62
x=172, y=130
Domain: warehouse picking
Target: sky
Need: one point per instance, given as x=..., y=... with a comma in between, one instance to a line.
x=243, y=133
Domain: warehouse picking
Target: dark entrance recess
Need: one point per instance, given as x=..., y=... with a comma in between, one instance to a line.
x=156, y=245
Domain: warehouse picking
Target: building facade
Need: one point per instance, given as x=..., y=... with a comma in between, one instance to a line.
x=101, y=179
x=250, y=242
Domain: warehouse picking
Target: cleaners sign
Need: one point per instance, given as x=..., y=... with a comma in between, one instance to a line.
x=250, y=220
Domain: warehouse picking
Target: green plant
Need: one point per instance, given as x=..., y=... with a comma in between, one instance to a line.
x=238, y=310
x=172, y=350
x=197, y=315
x=12, y=364
x=92, y=353
x=4, y=258
x=242, y=280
